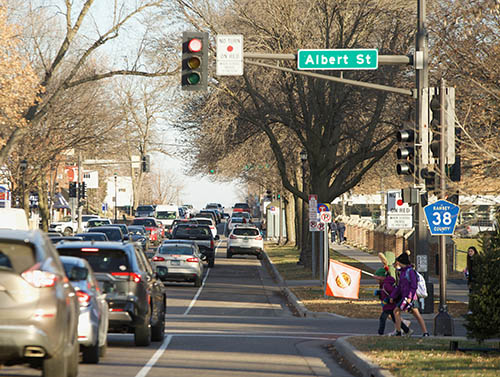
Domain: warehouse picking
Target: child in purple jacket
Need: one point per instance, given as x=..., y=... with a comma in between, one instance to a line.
x=405, y=294
x=386, y=287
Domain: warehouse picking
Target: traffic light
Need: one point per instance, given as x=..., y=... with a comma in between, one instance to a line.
x=211, y=171
x=146, y=163
x=83, y=191
x=194, y=61
x=435, y=125
x=72, y=189
x=454, y=198
x=406, y=150
x=430, y=179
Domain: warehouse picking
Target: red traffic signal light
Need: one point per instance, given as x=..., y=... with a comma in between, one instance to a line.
x=194, y=61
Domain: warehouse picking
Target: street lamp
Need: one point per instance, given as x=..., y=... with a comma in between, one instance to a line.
x=23, y=165
x=116, y=193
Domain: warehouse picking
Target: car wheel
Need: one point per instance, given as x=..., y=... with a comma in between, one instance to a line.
x=68, y=231
x=158, y=331
x=73, y=360
x=229, y=254
x=90, y=354
x=197, y=281
x=142, y=333
x=211, y=262
x=55, y=366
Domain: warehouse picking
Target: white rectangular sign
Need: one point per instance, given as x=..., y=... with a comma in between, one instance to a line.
x=313, y=205
x=399, y=214
x=91, y=179
x=229, y=60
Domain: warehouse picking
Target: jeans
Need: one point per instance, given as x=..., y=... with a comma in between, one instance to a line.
x=341, y=235
x=383, y=319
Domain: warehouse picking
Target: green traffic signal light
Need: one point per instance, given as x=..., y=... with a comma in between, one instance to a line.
x=212, y=171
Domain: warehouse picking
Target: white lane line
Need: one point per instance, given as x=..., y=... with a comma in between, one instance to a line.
x=150, y=364
x=193, y=301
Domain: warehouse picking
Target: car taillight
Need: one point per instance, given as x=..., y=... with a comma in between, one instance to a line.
x=39, y=279
x=233, y=237
x=194, y=260
x=158, y=259
x=83, y=298
x=132, y=276
x=258, y=238
x=212, y=244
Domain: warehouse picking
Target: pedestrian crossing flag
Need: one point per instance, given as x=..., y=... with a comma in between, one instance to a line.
x=343, y=280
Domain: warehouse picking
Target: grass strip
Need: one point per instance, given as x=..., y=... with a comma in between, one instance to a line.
x=429, y=357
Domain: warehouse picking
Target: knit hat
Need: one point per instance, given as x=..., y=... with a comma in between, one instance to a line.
x=403, y=258
x=380, y=272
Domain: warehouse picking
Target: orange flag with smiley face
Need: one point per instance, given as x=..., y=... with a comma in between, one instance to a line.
x=343, y=280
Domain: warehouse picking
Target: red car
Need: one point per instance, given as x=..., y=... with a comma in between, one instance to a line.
x=153, y=227
x=241, y=207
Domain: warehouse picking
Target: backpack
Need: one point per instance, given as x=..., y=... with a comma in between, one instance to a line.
x=421, y=287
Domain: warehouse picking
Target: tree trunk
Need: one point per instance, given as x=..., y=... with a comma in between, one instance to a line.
x=290, y=218
x=43, y=203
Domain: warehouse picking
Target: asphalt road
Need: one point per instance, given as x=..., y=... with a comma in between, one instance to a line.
x=236, y=324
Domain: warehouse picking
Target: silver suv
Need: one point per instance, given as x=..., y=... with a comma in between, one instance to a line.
x=38, y=307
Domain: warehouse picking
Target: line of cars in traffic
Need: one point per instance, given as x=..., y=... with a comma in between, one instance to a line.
x=60, y=299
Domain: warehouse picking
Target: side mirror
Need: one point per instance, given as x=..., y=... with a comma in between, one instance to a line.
x=217, y=237
x=162, y=272
x=78, y=273
x=126, y=237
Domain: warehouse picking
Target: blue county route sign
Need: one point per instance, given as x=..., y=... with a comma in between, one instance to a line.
x=441, y=217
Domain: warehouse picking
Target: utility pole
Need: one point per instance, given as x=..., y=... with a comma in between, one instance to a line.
x=79, y=192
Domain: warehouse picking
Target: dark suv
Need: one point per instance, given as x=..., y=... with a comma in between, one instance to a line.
x=135, y=294
x=201, y=235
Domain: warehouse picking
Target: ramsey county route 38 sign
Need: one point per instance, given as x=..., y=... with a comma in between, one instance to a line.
x=340, y=59
x=441, y=217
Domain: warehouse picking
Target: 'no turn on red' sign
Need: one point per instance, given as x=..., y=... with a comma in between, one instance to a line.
x=229, y=60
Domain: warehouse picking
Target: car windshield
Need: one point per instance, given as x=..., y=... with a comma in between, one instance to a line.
x=237, y=220
x=204, y=221
x=139, y=231
x=145, y=222
x=192, y=232
x=245, y=232
x=241, y=214
x=66, y=219
x=144, y=208
x=94, y=223
x=166, y=215
x=177, y=249
x=101, y=260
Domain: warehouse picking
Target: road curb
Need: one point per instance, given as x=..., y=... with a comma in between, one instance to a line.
x=359, y=360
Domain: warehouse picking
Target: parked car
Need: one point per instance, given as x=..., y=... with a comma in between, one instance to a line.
x=93, y=236
x=65, y=226
x=134, y=292
x=201, y=235
x=38, y=309
x=183, y=260
x=145, y=211
x=114, y=233
x=139, y=234
x=152, y=226
x=93, y=319
x=245, y=240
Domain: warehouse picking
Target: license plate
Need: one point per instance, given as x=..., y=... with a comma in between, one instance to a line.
x=175, y=262
x=245, y=240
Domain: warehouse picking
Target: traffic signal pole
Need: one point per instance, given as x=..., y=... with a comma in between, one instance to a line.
x=421, y=246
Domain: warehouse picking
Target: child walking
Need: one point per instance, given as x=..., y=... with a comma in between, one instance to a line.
x=405, y=294
x=386, y=287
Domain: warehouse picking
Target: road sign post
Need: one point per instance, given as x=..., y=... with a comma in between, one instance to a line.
x=338, y=59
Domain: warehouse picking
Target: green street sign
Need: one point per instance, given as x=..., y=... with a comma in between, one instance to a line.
x=340, y=59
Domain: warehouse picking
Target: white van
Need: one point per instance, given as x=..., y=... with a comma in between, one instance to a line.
x=13, y=218
x=166, y=214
